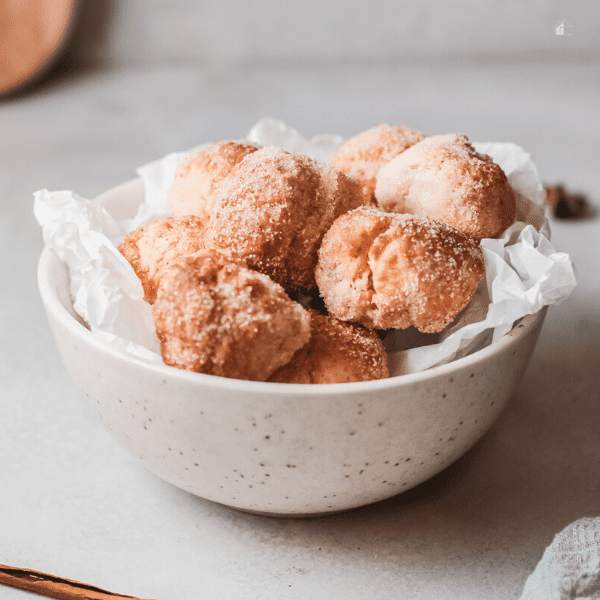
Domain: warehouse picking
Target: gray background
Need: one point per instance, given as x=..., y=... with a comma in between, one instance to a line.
x=267, y=32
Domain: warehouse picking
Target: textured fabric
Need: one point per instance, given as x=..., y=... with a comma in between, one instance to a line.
x=570, y=566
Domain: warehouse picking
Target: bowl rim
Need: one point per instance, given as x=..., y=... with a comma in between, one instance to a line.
x=49, y=292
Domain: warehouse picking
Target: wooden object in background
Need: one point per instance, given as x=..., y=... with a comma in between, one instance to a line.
x=32, y=33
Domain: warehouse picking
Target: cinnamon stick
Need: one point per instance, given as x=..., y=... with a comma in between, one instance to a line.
x=54, y=587
x=565, y=204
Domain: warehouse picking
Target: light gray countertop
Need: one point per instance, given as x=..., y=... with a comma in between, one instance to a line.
x=74, y=504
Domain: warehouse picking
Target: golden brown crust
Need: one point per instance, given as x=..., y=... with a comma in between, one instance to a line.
x=444, y=178
x=273, y=210
x=215, y=316
x=154, y=246
x=388, y=270
x=337, y=352
x=363, y=155
x=199, y=175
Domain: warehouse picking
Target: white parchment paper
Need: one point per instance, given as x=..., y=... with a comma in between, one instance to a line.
x=524, y=272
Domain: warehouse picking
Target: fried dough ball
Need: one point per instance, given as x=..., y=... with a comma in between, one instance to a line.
x=364, y=154
x=338, y=352
x=153, y=247
x=213, y=315
x=444, y=178
x=199, y=175
x=387, y=270
x=273, y=210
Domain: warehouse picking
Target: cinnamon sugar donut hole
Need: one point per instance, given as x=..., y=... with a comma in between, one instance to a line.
x=337, y=352
x=386, y=270
x=153, y=247
x=363, y=155
x=199, y=175
x=213, y=315
x=273, y=210
x=444, y=178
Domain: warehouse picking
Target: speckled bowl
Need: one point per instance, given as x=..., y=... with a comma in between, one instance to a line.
x=285, y=449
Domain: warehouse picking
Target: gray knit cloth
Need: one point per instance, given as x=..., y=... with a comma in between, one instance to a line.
x=570, y=566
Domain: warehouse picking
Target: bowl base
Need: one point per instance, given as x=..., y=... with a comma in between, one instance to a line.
x=318, y=515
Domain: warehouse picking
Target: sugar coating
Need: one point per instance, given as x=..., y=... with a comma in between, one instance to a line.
x=386, y=270
x=155, y=246
x=444, y=178
x=338, y=352
x=199, y=175
x=363, y=155
x=213, y=315
x=273, y=210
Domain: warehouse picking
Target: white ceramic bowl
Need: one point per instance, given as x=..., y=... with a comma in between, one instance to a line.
x=284, y=449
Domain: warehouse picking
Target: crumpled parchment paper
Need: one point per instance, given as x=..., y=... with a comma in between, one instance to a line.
x=524, y=272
